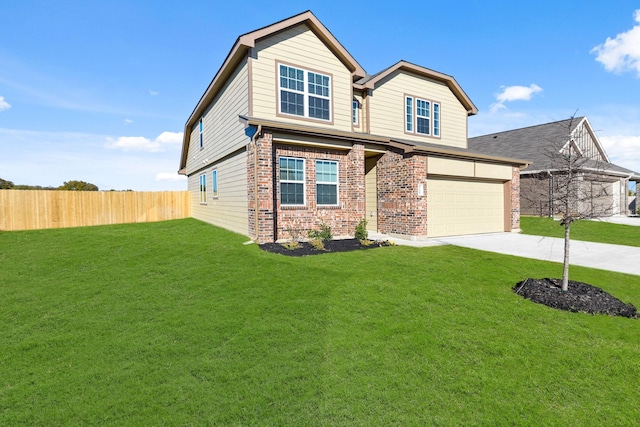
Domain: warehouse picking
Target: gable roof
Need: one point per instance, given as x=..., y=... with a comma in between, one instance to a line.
x=535, y=142
x=240, y=50
x=369, y=82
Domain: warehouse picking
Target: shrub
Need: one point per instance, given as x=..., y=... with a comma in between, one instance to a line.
x=292, y=245
x=361, y=230
x=324, y=233
x=317, y=244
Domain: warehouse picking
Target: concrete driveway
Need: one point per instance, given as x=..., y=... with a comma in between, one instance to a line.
x=623, y=259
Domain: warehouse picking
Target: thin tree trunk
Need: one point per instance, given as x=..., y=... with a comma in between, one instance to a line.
x=565, y=268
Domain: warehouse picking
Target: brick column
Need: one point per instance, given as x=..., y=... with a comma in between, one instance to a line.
x=262, y=186
x=401, y=210
x=515, y=199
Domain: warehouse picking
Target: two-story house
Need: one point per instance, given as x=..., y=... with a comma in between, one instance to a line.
x=292, y=132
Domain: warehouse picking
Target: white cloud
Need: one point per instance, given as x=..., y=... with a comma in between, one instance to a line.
x=128, y=121
x=154, y=93
x=621, y=53
x=4, y=105
x=623, y=150
x=139, y=143
x=514, y=93
x=170, y=177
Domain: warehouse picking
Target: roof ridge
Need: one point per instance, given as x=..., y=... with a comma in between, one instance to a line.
x=578, y=120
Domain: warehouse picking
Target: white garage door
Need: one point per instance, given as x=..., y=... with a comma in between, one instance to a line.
x=456, y=207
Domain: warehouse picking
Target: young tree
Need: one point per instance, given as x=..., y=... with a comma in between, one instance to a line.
x=574, y=184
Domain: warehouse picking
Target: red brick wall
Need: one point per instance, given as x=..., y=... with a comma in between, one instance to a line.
x=264, y=199
x=400, y=209
x=351, y=192
x=275, y=221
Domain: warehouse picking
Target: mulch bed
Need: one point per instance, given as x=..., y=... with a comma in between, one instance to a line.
x=342, y=245
x=580, y=297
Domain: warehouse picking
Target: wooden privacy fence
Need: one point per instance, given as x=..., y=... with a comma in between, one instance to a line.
x=34, y=209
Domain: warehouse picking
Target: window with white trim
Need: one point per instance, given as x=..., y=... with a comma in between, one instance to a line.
x=326, y=182
x=422, y=117
x=291, y=181
x=203, y=188
x=409, y=114
x=355, y=105
x=214, y=182
x=304, y=93
x=201, y=137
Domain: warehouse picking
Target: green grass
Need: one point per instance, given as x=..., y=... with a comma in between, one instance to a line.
x=178, y=323
x=591, y=231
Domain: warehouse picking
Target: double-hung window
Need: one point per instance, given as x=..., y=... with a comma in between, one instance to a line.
x=291, y=181
x=326, y=182
x=203, y=188
x=422, y=117
x=304, y=93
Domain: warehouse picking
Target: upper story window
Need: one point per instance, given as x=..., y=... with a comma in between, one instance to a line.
x=355, y=113
x=201, y=138
x=291, y=181
x=422, y=117
x=304, y=93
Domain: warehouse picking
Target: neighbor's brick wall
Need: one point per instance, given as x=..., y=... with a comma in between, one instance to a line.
x=515, y=199
x=400, y=209
x=351, y=192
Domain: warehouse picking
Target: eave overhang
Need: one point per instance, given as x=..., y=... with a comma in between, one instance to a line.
x=407, y=147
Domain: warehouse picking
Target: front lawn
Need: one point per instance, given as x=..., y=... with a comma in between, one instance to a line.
x=590, y=231
x=179, y=323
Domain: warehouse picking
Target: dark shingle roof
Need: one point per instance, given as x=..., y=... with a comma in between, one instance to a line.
x=536, y=143
x=531, y=143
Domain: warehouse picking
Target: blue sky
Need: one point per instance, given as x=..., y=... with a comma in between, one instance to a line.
x=99, y=91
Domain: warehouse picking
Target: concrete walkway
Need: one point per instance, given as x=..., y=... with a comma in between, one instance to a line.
x=623, y=259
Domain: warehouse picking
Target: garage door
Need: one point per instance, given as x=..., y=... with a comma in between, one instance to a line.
x=456, y=207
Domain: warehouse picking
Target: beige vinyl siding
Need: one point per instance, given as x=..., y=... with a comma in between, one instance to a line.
x=467, y=168
x=230, y=209
x=387, y=109
x=223, y=133
x=298, y=47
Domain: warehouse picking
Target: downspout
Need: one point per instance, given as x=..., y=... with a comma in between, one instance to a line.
x=254, y=140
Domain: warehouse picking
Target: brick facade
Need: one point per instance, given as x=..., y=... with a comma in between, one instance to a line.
x=401, y=210
x=279, y=222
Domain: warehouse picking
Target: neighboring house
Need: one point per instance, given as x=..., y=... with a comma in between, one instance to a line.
x=292, y=133
x=541, y=144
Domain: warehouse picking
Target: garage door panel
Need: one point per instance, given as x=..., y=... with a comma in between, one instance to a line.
x=456, y=207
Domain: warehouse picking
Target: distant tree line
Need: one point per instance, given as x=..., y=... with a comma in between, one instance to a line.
x=68, y=185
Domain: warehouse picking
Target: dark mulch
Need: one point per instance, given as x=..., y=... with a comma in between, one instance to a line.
x=580, y=297
x=342, y=245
